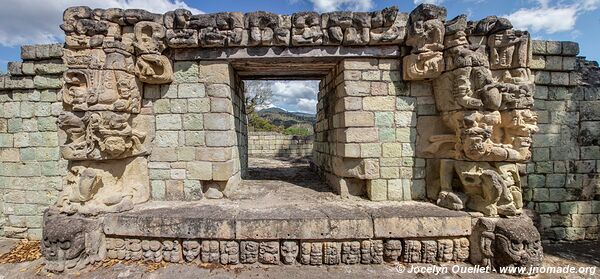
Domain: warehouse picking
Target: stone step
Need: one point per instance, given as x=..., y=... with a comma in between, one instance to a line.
x=324, y=221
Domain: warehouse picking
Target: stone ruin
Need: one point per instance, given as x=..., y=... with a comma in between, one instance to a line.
x=146, y=94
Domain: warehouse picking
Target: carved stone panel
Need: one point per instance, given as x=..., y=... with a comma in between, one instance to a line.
x=92, y=187
x=96, y=90
x=104, y=135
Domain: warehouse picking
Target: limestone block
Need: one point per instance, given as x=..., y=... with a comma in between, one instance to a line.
x=379, y=103
x=377, y=189
x=351, y=135
x=199, y=170
x=357, y=119
x=215, y=72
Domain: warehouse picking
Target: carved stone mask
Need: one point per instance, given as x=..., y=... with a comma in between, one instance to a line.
x=191, y=249
x=289, y=252
x=516, y=244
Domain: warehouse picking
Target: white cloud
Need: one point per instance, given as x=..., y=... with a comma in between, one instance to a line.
x=548, y=18
x=294, y=95
x=435, y=2
x=338, y=5
x=37, y=21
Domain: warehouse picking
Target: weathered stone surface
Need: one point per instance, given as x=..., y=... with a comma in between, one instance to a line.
x=419, y=220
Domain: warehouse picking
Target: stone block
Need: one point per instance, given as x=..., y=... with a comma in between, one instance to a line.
x=215, y=72
x=419, y=220
x=570, y=48
x=218, y=121
x=370, y=150
x=47, y=82
x=377, y=189
x=554, y=63
x=185, y=72
x=553, y=47
x=360, y=64
x=221, y=105
x=191, y=90
x=174, y=190
x=360, y=135
x=220, y=138
x=214, y=154
x=195, y=138
x=538, y=62
x=219, y=90
x=199, y=170
x=349, y=150
x=168, y=122
x=379, y=103
x=357, y=119
x=158, y=189
x=405, y=119
x=166, y=138
x=222, y=171
x=193, y=122
x=560, y=78
x=198, y=105
x=538, y=47
x=355, y=89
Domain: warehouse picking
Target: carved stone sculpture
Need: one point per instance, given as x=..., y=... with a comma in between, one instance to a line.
x=96, y=90
x=331, y=253
x=392, y=250
x=266, y=29
x=268, y=252
x=230, y=251
x=289, y=252
x=306, y=29
x=351, y=252
x=248, y=252
x=412, y=251
x=191, y=249
x=154, y=69
x=426, y=37
x=103, y=135
x=152, y=250
x=372, y=251
x=210, y=251
x=69, y=243
x=92, y=187
x=500, y=242
x=388, y=26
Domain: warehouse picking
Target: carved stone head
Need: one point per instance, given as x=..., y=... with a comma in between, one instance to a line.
x=69, y=242
x=516, y=243
x=191, y=249
x=289, y=252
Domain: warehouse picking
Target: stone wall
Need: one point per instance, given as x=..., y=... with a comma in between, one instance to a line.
x=365, y=130
x=270, y=145
x=31, y=170
x=198, y=125
x=563, y=184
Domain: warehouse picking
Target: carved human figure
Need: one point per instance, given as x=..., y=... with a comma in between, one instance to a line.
x=508, y=49
x=485, y=188
x=392, y=250
x=96, y=187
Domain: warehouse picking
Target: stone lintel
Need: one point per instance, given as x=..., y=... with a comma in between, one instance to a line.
x=262, y=53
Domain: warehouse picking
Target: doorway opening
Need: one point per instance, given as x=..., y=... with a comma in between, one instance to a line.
x=281, y=118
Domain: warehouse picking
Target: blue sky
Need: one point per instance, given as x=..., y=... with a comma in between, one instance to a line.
x=36, y=21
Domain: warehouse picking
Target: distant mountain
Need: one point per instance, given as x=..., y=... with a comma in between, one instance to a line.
x=280, y=117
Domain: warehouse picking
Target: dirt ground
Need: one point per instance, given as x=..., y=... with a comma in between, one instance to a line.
x=290, y=181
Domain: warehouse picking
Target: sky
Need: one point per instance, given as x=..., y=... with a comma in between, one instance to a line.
x=37, y=21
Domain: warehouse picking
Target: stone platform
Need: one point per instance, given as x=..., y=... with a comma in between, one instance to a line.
x=324, y=221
